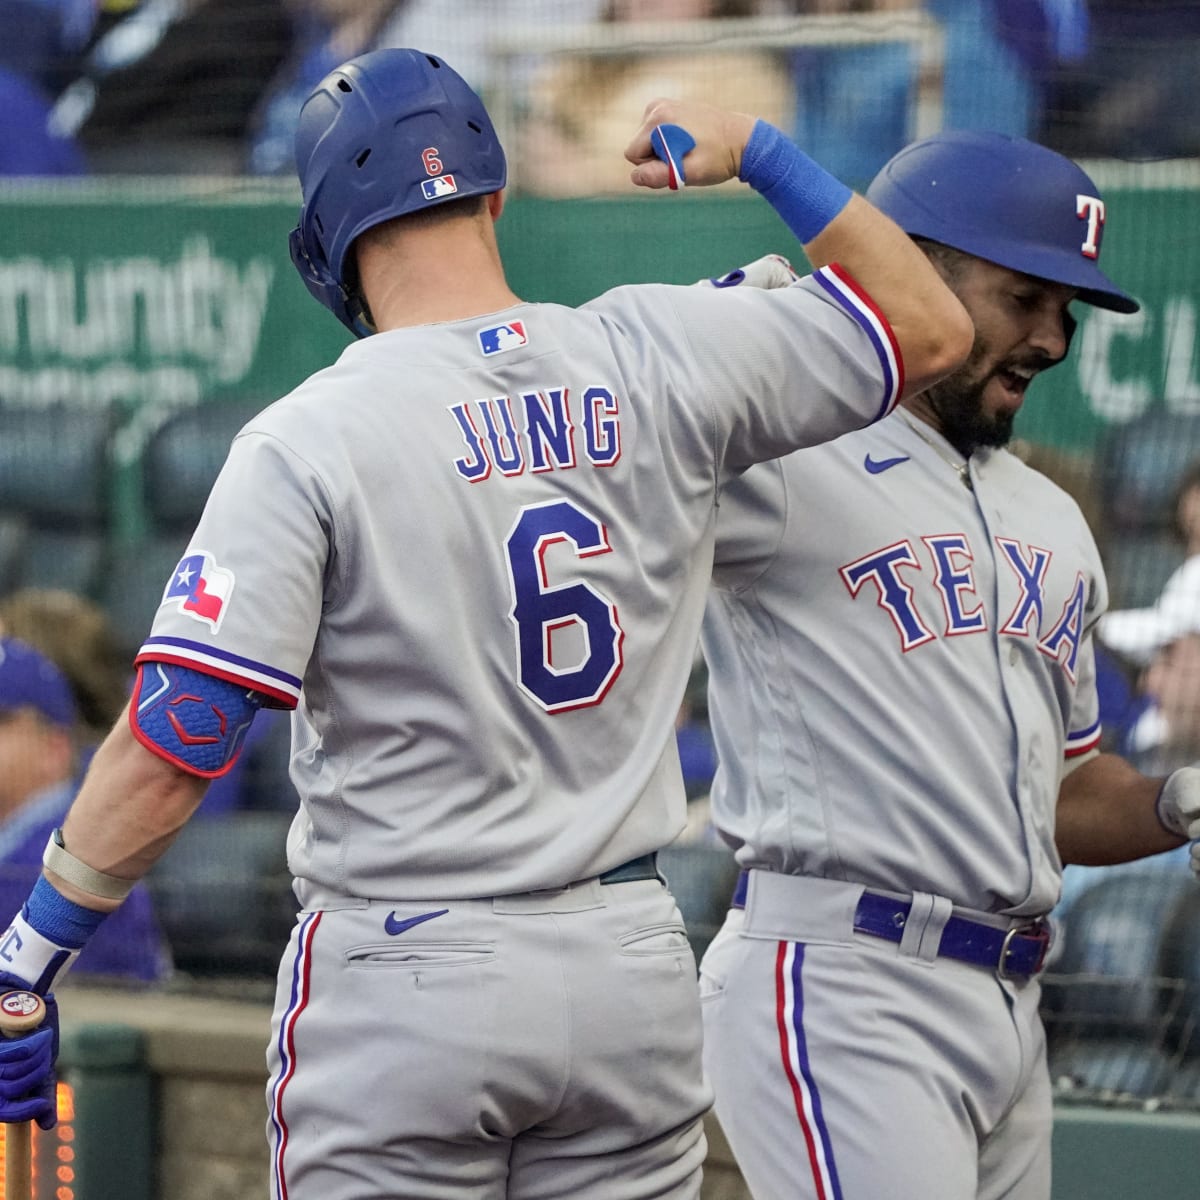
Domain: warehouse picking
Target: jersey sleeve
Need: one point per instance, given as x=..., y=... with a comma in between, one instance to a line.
x=773, y=370
x=245, y=600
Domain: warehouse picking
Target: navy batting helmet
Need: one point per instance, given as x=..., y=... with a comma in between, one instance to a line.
x=390, y=132
x=1004, y=199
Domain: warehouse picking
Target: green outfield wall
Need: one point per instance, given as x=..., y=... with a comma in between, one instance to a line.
x=159, y=294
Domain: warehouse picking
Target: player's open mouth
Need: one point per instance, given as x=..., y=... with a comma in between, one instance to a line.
x=1015, y=381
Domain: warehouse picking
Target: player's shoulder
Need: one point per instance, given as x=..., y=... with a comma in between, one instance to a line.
x=666, y=314
x=315, y=407
x=643, y=299
x=1026, y=468
x=1039, y=486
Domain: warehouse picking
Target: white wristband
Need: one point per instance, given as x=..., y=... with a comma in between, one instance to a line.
x=63, y=863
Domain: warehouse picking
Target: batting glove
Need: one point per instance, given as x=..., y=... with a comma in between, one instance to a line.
x=1178, y=809
x=770, y=271
x=28, y=1080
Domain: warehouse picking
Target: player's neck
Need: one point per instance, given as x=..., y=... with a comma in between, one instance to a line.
x=402, y=309
x=920, y=408
x=435, y=278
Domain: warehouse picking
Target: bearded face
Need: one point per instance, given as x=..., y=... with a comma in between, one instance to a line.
x=1022, y=327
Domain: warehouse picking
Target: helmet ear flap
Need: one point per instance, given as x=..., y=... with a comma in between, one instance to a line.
x=312, y=268
x=321, y=284
x=310, y=271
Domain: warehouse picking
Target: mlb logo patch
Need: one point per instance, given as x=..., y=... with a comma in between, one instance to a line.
x=443, y=185
x=503, y=337
x=200, y=588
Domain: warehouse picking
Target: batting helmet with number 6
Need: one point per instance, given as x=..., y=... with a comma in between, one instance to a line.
x=388, y=133
x=1004, y=199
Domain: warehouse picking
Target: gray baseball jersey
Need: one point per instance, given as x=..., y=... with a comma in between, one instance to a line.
x=922, y=750
x=900, y=667
x=476, y=555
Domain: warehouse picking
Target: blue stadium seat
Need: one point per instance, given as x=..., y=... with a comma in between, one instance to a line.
x=223, y=894
x=55, y=477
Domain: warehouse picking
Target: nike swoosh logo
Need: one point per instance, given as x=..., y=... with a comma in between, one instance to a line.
x=878, y=466
x=394, y=927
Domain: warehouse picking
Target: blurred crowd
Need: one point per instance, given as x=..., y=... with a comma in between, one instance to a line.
x=213, y=86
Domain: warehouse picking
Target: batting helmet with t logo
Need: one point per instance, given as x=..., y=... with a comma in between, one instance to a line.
x=1004, y=199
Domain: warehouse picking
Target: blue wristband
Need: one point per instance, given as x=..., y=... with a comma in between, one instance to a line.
x=801, y=191
x=58, y=919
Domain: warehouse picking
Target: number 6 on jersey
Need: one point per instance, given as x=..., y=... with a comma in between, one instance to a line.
x=540, y=611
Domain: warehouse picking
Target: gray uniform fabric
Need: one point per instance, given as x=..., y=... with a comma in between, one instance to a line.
x=475, y=556
x=921, y=755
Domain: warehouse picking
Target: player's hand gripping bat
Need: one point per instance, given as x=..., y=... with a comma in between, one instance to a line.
x=21, y=1012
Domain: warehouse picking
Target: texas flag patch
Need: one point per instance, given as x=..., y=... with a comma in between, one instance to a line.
x=200, y=588
x=443, y=185
x=499, y=338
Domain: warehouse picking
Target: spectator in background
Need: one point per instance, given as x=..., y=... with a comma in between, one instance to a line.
x=855, y=104
x=1172, y=682
x=327, y=33
x=1166, y=735
x=466, y=38
x=41, y=39
x=1161, y=643
x=28, y=145
x=75, y=634
x=1132, y=95
x=581, y=106
x=330, y=31
x=40, y=737
x=1136, y=634
x=168, y=86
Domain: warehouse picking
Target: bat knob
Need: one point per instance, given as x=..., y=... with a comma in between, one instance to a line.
x=20, y=1012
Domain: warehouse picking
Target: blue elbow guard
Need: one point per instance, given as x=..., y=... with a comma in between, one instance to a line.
x=194, y=720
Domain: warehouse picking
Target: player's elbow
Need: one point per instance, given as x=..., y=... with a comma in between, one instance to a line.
x=937, y=344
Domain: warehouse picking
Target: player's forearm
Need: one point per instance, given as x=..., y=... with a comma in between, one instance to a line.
x=128, y=811
x=1106, y=814
x=931, y=326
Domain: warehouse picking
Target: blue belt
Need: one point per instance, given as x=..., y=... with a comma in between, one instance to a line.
x=1016, y=953
x=644, y=867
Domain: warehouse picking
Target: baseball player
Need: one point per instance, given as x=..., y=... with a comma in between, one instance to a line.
x=899, y=642
x=472, y=557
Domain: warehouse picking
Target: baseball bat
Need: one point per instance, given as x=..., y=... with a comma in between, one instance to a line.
x=20, y=1012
